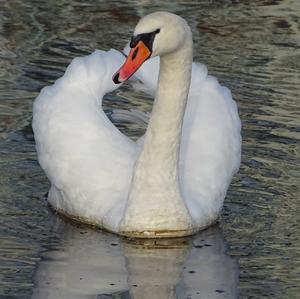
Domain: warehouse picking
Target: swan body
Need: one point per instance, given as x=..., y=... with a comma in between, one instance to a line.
x=171, y=182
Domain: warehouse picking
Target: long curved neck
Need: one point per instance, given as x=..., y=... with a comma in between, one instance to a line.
x=155, y=199
x=162, y=139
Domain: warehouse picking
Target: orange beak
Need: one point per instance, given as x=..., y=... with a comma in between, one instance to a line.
x=137, y=56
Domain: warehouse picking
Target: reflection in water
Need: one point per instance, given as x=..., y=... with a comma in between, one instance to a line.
x=94, y=264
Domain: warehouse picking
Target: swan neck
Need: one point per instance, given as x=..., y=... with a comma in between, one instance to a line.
x=163, y=135
x=155, y=199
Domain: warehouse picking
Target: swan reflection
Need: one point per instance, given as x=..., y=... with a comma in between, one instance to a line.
x=94, y=264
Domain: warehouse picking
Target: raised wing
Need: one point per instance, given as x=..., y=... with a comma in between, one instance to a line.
x=86, y=158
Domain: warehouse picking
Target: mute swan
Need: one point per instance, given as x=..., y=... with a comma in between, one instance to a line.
x=170, y=183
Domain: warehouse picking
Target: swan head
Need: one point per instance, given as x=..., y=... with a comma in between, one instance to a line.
x=156, y=34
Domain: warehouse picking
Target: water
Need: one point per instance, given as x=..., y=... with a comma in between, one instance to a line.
x=253, y=47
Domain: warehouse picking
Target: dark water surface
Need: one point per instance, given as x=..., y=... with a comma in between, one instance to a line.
x=253, y=47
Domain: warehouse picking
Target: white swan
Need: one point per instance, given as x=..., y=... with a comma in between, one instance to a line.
x=170, y=183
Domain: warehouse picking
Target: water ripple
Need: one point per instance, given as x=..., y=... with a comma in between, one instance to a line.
x=252, y=47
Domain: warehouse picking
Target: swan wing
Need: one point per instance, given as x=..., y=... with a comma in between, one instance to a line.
x=86, y=158
x=211, y=146
x=211, y=140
